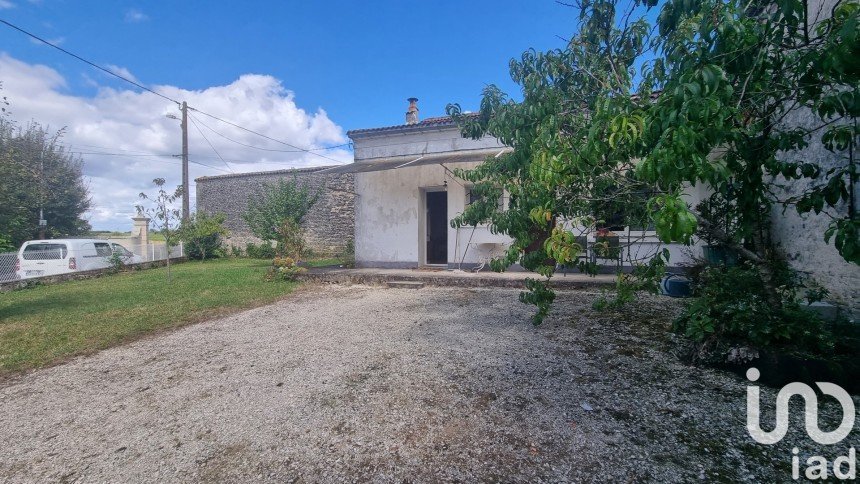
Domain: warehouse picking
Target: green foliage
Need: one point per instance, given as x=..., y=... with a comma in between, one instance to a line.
x=730, y=74
x=291, y=240
x=574, y=136
x=202, y=235
x=847, y=238
x=592, y=137
x=262, y=251
x=6, y=244
x=275, y=204
x=643, y=278
x=348, y=256
x=284, y=269
x=38, y=172
x=116, y=261
x=540, y=295
x=731, y=309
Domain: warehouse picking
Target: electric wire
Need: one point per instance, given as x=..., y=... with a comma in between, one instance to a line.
x=93, y=64
x=268, y=149
x=261, y=134
x=191, y=117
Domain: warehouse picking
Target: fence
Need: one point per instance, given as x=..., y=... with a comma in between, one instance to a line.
x=57, y=258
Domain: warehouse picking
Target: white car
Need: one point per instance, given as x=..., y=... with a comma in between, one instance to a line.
x=38, y=258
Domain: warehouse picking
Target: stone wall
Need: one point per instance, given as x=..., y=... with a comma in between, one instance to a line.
x=801, y=237
x=328, y=225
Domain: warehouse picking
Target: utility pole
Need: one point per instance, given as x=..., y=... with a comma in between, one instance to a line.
x=43, y=224
x=185, y=206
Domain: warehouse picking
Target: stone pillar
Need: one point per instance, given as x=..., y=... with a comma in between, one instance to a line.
x=140, y=235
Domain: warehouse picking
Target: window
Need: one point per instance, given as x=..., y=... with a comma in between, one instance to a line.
x=121, y=250
x=103, y=249
x=472, y=197
x=45, y=252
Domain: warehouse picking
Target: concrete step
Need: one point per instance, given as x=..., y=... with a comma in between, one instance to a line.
x=405, y=284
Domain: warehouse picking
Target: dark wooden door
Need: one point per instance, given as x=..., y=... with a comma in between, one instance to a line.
x=437, y=227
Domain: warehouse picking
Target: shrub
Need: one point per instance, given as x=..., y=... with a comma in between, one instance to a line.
x=262, y=251
x=202, y=235
x=349, y=254
x=291, y=240
x=273, y=204
x=731, y=309
x=284, y=269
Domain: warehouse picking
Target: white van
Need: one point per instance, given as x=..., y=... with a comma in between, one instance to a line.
x=38, y=258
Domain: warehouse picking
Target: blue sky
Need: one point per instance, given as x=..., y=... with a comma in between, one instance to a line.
x=357, y=60
x=303, y=72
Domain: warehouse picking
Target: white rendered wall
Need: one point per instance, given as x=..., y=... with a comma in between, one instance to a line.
x=389, y=218
x=417, y=142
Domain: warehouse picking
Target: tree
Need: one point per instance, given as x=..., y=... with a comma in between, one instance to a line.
x=572, y=167
x=718, y=82
x=39, y=174
x=732, y=74
x=286, y=201
x=202, y=235
x=165, y=215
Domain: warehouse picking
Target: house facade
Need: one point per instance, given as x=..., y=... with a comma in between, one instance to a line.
x=407, y=193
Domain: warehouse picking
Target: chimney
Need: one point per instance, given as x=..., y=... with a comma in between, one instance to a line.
x=412, y=112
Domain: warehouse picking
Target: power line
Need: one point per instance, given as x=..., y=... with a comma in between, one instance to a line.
x=267, y=149
x=261, y=134
x=210, y=143
x=137, y=84
x=172, y=161
x=93, y=64
x=210, y=166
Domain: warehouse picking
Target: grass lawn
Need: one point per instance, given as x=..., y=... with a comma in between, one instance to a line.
x=323, y=262
x=46, y=324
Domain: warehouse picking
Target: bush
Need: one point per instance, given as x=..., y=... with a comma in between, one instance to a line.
x=291, y=240
x=730, y=309
x=284, y=269
x=349, y=254
x=262, y=251
x=202, y=235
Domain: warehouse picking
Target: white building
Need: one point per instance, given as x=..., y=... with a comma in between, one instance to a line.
x=407, y=195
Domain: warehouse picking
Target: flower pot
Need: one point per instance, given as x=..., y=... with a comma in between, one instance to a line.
x=674, y=285
x=720, y=255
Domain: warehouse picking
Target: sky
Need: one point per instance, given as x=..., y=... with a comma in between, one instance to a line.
x=297, y=71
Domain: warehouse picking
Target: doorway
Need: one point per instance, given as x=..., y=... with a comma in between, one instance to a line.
x=437, y=227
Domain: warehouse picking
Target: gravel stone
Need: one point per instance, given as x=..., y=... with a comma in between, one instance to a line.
x=366, y=384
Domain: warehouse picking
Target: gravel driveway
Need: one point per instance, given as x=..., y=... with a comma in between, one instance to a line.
x=370, y=384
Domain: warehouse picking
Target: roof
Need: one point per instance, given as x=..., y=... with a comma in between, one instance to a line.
x=404, y=161
x=434, y=122
x=271, y=172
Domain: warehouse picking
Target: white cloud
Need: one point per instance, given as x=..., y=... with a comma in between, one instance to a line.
x=134, y=15
x=56, y=41
x=4, y=4
x=122, y=71
x=128, y=126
